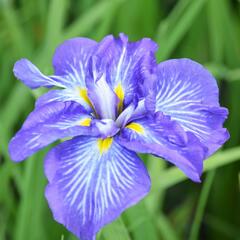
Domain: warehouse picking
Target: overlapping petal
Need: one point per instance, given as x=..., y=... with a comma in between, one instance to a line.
x=188, y=93
x=103, y=98
x=48, y=124
x=161, y=136
x=127, y=62
x=133, y=111
x=70, y=63
x=71, y=58
x=75, y=94
x=92, y=182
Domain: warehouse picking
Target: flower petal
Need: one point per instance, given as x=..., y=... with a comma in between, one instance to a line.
x=126, y=63
x=71, y=58
x=48, y=124
x=165, y=138
x=70, y=64
x=76, y=94
x=188, y=93
x=104, y=100
x=105, y=127
x=92, y=183
x=133, y=111
x=32, y=77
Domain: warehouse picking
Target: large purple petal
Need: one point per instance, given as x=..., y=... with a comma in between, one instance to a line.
x=163, y=137
x=70, y=64
x=92, y=182
x=48, y=124
x=127, y=63
x=189, y=94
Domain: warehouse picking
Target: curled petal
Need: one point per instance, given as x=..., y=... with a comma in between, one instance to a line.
x=188, y=93
x=70, y=64
x=91, y=182
x=31, y=76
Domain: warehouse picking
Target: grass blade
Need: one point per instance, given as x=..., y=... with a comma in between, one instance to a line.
x=85, y=23
x=201, y=206
x=181, y=26
x=173, y=175
x=116, y=230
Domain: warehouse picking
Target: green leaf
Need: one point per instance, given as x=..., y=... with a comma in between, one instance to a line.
x=201, y=206
x=140, y=223
x=16, y=34
x=85, y=22
x=116, y=230
x=169, y=41
x=32, y=202
x=173, y=176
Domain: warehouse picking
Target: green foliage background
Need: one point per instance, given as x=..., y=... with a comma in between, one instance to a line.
x=207, y=31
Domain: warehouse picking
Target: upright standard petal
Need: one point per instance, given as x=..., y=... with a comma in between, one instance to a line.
x=126, y=64
x=161, y=136
x=104, y=100
x=91, y=182
x=71, y=58
x=188, y=93
x=48, y=124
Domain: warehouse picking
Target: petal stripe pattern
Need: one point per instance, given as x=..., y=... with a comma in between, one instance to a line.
x=126, y=63
x=189, y=94
x=46, y=125
x=94, y=188
x=166, y=139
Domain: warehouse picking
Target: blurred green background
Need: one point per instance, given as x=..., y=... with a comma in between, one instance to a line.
x=207, y=31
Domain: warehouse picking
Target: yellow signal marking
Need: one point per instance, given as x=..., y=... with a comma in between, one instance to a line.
x=136, y=127
x=104, y=144
x=85, y=122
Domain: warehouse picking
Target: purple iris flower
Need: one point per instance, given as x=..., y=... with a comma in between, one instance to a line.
x=110, y=100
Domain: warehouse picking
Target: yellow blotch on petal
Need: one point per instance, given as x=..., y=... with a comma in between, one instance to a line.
x=136, y=127
x=84, y=96
x=104, y=144
x=85, y=122
x=120, y=93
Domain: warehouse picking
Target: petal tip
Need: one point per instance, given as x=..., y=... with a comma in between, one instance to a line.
x=14, y=152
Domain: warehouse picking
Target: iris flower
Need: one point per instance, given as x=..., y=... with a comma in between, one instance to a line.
x=111, y=100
